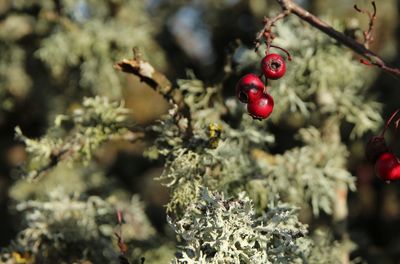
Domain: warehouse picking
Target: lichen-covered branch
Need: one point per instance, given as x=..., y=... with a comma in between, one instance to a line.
x=98, y=121
x=62, y=223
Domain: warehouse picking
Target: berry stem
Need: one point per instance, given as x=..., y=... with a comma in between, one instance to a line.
x=389, y=121
x=289, y=57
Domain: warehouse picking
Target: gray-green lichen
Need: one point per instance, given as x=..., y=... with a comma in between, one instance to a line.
x=308, y=173
x=76, y=136
x=75, y=226
x=220, y=230
x=70, y=215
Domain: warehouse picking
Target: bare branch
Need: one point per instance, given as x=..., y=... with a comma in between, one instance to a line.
x=156, y=80
x=148, y=74
x=368, y=38
x=394, y=114
x=290, y=7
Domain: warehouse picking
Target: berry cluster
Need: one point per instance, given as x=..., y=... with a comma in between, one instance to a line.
x=387, y=165
x=252, y=91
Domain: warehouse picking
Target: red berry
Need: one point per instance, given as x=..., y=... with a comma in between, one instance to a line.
x=262, y=107
x=388, y=167
x=249, y=88
x=273, y=66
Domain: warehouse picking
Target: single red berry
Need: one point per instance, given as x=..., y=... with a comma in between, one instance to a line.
x=262, y=107
x=387, y=167
x=273, y=66
x=249, y=88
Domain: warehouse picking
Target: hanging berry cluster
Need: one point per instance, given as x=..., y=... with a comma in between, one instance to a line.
x=387, y=165
x=250, y=89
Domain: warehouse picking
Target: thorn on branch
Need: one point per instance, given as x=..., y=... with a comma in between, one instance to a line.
x=289, y=57
x=121, y=244
x=119, y=217
x=365, y=62
x=123, y=248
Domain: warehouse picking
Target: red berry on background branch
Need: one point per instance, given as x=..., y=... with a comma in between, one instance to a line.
x=249, y=88
x=262, y=107
x=273, y=66
x=387, y=167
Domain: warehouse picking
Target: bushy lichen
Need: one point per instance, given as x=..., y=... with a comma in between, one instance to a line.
x=308, y=173
x=74, y=227
x=214, y=149
x=76, y=136
x=220, y=230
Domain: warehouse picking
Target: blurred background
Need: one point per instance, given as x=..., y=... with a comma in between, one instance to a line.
x=41, y=76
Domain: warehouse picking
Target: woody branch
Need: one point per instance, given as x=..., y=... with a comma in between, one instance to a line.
x=370, y=58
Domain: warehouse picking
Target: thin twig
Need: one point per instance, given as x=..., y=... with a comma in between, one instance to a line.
x=368, y=38
x=55, y=158
x=289, y=57
x=390, y=121
x=266, y=32
x=290, y=7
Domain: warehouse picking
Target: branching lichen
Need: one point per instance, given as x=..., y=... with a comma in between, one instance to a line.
x=78, y=135
x=75, y=227
x=209, y=144
x=206, y=158
x=308, y=173
x=219, y=230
